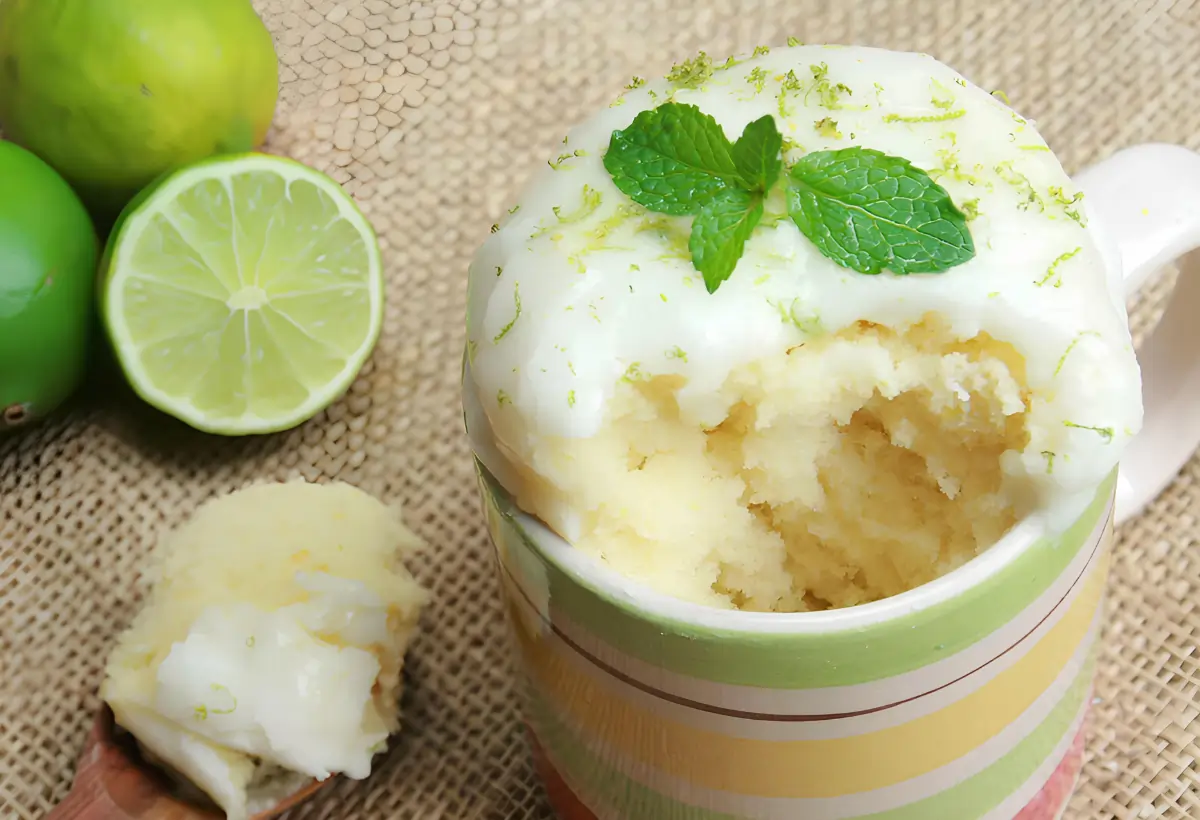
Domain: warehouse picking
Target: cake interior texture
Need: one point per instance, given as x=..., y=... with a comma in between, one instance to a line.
x=853, y=467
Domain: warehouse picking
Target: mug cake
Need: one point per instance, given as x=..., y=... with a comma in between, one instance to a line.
x=799, y=330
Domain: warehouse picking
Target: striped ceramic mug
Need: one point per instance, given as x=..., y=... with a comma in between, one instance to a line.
x=964, y=698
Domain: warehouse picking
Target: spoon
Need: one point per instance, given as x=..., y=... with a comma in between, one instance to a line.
x=113, y=783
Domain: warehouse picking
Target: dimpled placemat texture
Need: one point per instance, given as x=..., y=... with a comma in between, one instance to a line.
x=431, y=114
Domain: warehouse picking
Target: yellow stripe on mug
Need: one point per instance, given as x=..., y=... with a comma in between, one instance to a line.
x=814, y=768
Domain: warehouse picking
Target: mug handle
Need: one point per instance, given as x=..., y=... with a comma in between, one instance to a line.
x=1146, y=201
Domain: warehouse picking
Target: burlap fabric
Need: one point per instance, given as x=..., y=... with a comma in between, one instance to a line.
x=431, y=114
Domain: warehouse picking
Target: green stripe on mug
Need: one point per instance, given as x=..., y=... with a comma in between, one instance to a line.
x=781, y=660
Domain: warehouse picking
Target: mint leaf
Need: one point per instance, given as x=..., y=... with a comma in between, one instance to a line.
x=720, y=231
x=757, y=154
x=868, y=211
x=672, y=159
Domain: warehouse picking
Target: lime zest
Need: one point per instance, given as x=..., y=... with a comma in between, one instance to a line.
x=1059, y=197
x=591, y=201
x=808, y=325
x=1105, y=433
x=828, y=128
x=942, y=96
x=1063, y=359
x=790, y=84
x=919, y=118
x=757, y=78
x=1053, y=271
x=508, y=327
x=216, y=687
x=828, y=92
x=634, y=373
x=691, y=73
x=1023, y=186
x=557, y=163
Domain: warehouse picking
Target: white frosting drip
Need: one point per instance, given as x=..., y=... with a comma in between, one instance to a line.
x=595, y=303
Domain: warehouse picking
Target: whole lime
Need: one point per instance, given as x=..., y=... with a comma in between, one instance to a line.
x=48, y=253
x=113, y=93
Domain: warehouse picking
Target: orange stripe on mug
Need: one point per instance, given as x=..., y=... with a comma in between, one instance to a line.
x=808, y=768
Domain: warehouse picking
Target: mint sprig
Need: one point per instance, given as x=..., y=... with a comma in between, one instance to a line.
x=676, y=160
x=868, y=211
x=865, y=210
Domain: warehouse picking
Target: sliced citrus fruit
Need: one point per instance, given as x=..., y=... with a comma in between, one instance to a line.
x=242, y=294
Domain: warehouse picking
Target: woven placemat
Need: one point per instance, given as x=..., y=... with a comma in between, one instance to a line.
x=431, y=114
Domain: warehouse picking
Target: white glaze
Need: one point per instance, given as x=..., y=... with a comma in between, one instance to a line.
x=586, y=318
x=273, y=685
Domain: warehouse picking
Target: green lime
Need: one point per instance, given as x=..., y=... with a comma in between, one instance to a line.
x=48, y=255
x=242, y=294
x=112, y=93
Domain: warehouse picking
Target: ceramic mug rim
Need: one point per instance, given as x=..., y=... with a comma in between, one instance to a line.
x=649, y=605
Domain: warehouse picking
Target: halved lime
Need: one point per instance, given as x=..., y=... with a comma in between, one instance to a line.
x=242, y=294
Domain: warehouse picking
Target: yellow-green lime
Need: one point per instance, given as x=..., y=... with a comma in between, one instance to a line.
x=242, y=294
x=112, y=93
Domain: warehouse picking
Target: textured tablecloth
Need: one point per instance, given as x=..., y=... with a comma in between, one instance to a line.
x=431, y=113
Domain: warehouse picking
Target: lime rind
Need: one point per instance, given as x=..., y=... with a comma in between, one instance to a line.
x=120, y=271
